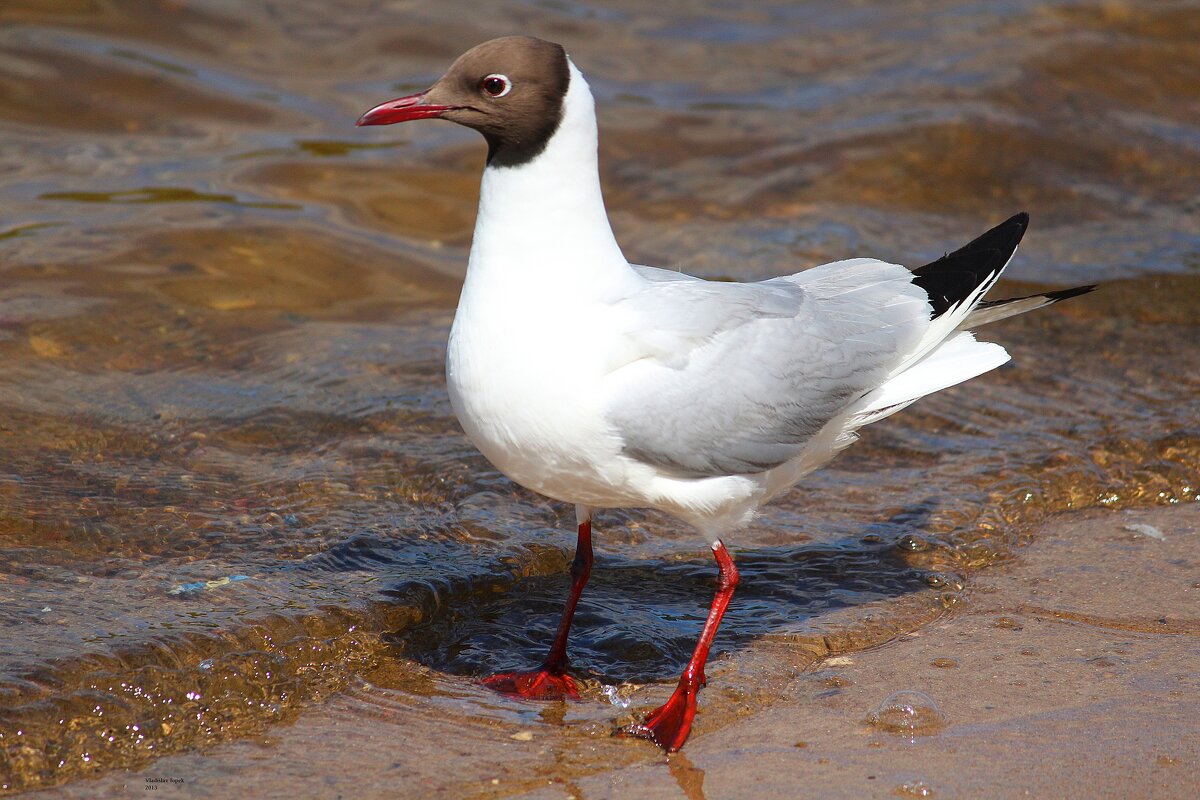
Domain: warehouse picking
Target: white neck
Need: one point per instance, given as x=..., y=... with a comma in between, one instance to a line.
x=545, y=220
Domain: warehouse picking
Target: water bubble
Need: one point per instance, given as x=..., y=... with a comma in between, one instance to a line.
x=914, y=544
x=938, y=580
x=908, y=712
x=617, y=695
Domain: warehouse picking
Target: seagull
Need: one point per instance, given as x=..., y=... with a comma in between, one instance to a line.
x=606, y=384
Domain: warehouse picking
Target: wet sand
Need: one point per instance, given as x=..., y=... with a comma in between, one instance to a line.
x=1073, y=671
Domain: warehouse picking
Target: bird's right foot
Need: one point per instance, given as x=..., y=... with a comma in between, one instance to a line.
x=544, y=683
x=668, y=725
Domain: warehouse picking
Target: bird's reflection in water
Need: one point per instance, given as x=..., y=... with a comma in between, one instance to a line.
x=689, y=777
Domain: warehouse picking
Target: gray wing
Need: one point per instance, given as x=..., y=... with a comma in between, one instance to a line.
x=731, y=378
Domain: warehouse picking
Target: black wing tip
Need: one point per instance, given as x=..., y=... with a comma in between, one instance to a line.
x=1004, y=237
x=1065, y=294
x=954, y=276
x=1020, y=221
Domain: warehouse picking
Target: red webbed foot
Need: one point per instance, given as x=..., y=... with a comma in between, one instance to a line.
x=668, y=725
x=550, y=681
x=536, y=684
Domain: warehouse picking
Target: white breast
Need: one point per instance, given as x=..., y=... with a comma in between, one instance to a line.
x=522, y=396
x=527, y=349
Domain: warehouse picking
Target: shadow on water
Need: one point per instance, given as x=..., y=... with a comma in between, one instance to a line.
x=639, y=619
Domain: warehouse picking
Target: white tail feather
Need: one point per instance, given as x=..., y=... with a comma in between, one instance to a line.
x=958, y=359
x=942, y=328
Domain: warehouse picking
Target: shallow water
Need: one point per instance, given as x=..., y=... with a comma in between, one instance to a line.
x=232, y=491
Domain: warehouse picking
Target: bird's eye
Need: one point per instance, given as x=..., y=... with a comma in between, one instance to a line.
x=496, y=85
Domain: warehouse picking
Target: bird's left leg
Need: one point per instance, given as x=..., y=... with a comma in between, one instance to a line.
x=550, y=681
x=668, y=726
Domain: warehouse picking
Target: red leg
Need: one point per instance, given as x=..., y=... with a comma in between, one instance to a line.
x=550, y=681
x=668, y=726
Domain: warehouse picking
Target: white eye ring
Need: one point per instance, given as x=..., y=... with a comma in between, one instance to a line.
x=495, y=75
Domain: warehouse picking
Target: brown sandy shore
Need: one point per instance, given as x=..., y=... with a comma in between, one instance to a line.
x=1073, y=671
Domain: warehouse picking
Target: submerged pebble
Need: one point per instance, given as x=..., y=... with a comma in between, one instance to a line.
x=197, y=586
x=908, y=712
x=1146, y=530
x=916, y=788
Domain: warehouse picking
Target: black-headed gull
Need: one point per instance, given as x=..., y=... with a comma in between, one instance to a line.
x=607, y=384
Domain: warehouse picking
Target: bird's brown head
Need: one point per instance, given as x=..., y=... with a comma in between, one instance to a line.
x=510, y=89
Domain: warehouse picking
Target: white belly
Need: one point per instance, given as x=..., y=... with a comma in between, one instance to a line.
x=523, y=384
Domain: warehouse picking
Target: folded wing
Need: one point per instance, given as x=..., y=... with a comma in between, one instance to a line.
x=725, y=378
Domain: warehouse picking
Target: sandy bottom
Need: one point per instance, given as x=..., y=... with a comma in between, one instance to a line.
x=1057, y=676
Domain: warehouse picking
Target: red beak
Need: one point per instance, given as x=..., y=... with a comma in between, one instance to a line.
x=402, y=110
